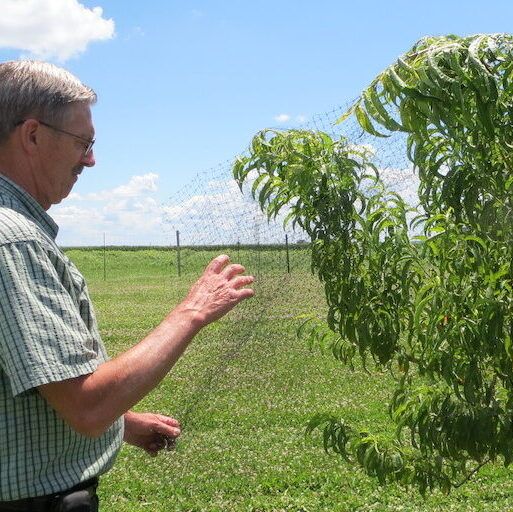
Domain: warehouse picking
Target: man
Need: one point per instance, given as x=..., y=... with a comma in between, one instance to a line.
x=64, y=406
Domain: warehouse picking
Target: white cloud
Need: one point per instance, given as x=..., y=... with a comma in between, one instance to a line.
x=129, y=214
x=285, y=118
x=135, y=187
x=282, y=118
x=52, y=28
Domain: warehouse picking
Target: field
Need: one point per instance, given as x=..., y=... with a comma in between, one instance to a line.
x=244, y=391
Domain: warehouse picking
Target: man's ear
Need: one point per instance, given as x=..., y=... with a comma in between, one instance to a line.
x=30, y=135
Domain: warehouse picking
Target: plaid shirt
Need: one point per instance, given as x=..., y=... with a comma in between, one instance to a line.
x=48, y=333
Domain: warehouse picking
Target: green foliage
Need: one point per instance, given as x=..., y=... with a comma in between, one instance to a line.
x=454, y=98
x=436, y=309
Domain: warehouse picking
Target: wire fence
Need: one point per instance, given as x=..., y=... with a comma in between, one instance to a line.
x=180, y=260
x=211, y=210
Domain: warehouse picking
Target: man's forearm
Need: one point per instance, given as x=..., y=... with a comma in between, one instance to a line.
x=90, y=404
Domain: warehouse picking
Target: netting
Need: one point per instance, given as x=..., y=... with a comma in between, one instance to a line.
x=211, y=212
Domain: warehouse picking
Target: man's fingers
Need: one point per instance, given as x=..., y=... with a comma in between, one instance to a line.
x=167, y=430
x=232, y=270
x=218, y=263
x=172, y=422
x=241, y=281
x=245, y=293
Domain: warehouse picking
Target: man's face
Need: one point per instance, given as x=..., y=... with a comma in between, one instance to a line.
x=64, y=157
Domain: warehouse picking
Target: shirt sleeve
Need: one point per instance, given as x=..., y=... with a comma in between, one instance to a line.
x=43, y=338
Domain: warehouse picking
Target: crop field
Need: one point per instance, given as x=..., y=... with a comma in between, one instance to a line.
x=244, y=392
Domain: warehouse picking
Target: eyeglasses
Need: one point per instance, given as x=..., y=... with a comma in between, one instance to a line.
x=88, y=143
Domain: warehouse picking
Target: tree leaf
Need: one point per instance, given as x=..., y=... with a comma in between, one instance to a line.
x=365, y=122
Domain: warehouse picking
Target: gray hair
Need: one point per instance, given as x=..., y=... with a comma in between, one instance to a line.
x=37, y=89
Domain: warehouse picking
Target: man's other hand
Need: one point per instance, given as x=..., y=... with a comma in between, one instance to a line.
x=151, y=432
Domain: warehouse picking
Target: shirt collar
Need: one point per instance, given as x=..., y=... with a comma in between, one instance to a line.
x=16, y=198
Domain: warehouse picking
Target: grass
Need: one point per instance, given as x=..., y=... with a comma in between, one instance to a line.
x=244, y=391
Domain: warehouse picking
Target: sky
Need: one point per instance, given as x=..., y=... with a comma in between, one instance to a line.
x=183, y=87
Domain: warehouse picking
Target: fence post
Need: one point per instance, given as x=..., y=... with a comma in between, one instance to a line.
x=238, y=251
x=104, y=259
x=259, y=257
x=178, y=262
x=287, y=252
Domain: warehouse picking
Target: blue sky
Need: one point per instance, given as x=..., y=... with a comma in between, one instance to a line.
x=183, y=86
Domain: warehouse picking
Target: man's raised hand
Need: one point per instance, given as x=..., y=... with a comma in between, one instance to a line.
x=221, y=287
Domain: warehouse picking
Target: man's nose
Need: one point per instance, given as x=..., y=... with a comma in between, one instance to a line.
x=88, y=160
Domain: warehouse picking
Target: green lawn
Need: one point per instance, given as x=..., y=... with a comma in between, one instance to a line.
x=244, y=391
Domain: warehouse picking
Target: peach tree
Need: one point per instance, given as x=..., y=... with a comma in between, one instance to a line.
x=423, y=290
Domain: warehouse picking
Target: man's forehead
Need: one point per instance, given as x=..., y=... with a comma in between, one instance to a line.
x=79, y=115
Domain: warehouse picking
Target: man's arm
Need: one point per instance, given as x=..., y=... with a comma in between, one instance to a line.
x=91, y=403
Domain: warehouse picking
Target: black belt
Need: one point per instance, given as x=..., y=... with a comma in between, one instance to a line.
x=83, y=491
